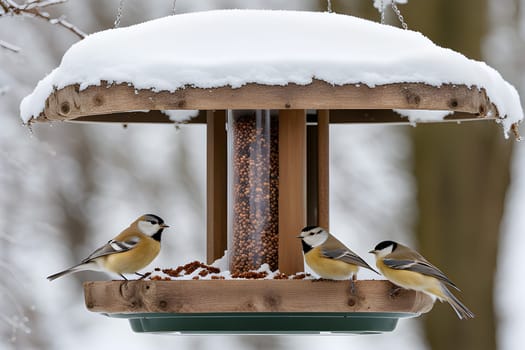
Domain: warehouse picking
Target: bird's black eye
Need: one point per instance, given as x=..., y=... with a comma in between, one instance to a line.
x=312, y=233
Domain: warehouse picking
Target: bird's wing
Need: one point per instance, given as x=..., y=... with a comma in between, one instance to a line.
x=420, y=266
x=346, y=255
x=112, y=247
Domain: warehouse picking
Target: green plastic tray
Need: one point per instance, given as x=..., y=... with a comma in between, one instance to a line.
x=264, y=323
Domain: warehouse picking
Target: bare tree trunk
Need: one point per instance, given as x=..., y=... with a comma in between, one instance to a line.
x=462, y=173
x=462, y=176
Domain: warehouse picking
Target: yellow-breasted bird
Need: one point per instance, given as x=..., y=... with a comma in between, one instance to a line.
x=408, y=269
x=133, y=249
x=327, y=256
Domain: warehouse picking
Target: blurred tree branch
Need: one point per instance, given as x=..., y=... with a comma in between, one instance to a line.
x=9, y=46
x=35, y=9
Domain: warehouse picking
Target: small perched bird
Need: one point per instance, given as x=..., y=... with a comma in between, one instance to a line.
x=327, y=256
x=408, y=269
x=133, y=249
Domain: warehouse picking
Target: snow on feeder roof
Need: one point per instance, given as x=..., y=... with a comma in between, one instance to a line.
x=328, y=60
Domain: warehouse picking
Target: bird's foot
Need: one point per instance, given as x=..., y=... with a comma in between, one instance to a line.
x=124, y=277
x=353, y=289
x=142, y=276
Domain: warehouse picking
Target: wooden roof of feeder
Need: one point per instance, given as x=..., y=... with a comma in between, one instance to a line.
x=348, y=69
x=253, y=59
x=348, y=103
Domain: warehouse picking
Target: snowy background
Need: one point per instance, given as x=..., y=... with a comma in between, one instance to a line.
x=67, y=187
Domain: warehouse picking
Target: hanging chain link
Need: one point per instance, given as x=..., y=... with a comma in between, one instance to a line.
x=329, y=5
x=382, y=11
x=399, y=15
x=119, y=14
x=173, y=10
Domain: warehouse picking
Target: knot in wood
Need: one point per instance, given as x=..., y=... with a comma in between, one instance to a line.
x=127, y=290
x=482, y=111
x=412, y=98
x=148, y=288
x=133, y=304
x=98, y=100
x=453, y=103
x=272, y=302
x=65, y=108
x=249, y=306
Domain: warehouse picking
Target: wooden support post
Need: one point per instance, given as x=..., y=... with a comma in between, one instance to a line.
x=318, y=170
x=312, y=187
x=323, y=168
x=216, y=185
x=292, y=188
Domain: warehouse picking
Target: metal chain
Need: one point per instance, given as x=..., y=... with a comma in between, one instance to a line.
x=399, y=15
x=174, y=3
x=382, y=11
x=119, y=14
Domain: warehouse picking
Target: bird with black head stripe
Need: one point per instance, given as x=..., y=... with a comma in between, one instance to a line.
x=133, y=249
x=328, y=257
x=408, y=269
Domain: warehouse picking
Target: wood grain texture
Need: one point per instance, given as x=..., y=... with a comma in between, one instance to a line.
x=312, y=210
x=323, y=169
x=292, y=188
x=216, y=186
x=208, y=296
x=70, y=103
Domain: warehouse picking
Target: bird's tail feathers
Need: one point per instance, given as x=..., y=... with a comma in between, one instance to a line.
x=76, y=268
x=461, y=310
x=374, y=270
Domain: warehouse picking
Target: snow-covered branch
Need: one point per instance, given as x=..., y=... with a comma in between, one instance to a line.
x=8, y=46
x=58, y=21
x=34, y=9
x=42, y=3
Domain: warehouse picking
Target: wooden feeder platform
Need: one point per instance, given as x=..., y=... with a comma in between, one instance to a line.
x=264, y=306
x=255, y=306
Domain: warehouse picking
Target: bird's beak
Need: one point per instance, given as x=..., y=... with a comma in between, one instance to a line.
x=299, y=236
x=164, y=225
x=372, y=251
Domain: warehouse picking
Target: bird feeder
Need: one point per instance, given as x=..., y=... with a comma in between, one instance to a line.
x=276, y=80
